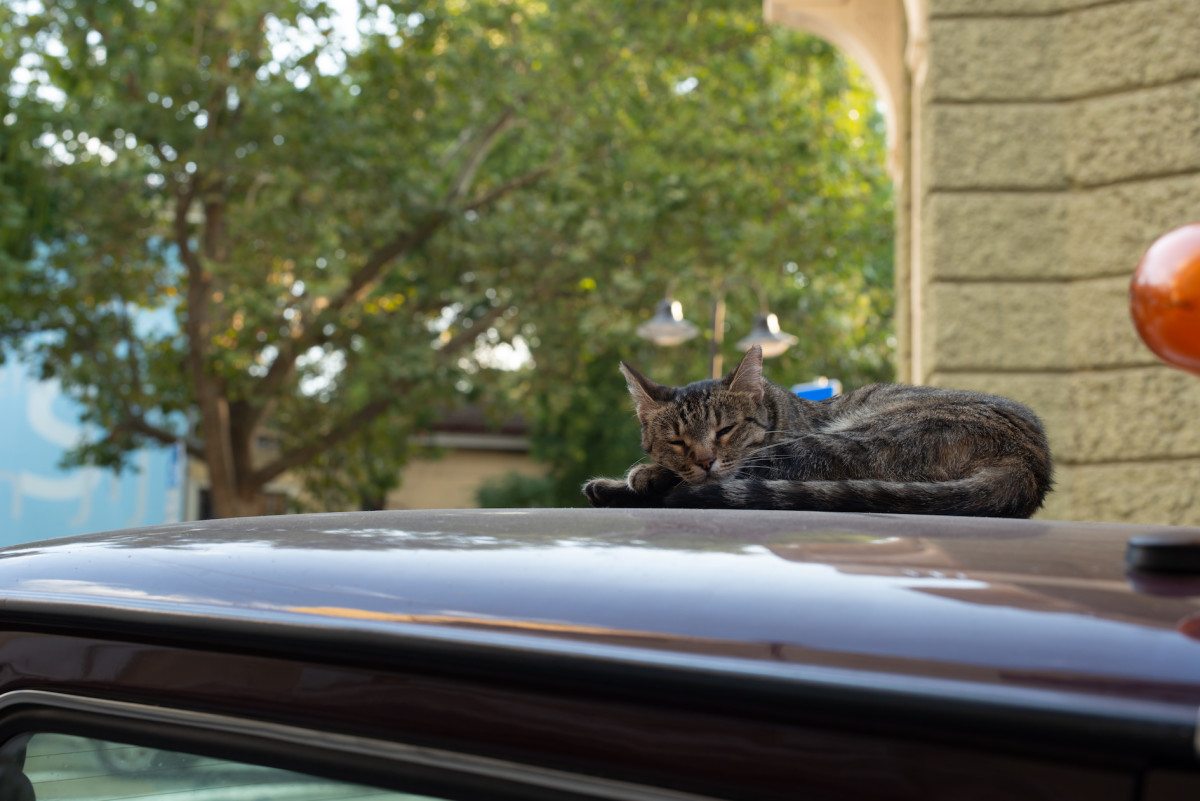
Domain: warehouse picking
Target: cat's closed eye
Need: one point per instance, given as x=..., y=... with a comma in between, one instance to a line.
x=725, y=431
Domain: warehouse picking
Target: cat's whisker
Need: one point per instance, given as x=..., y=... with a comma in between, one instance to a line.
x=643, y=460
x=773, y=445
x=757, y=460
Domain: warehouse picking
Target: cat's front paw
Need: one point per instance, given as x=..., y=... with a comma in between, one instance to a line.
x=609, y=492
x=651, y=479
x=602, y=492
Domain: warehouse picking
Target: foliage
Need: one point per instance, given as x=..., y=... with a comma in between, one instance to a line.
x=518, y=490
x=763, y=179
x=316, y=236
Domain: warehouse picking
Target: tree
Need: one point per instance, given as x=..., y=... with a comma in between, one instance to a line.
x=270, y=223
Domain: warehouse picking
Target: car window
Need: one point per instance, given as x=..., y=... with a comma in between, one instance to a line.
x=64, y=767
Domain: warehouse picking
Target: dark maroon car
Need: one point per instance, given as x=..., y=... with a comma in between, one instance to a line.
x=572, y=654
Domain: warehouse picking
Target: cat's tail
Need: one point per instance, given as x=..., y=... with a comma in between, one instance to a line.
x=986, y=493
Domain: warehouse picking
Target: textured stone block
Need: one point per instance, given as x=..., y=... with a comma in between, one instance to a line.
x=1161, y=493
x=1093, y=233
x=992, y=58
x=1126, y=45
x=1101, y=330
x=1172, y=42
x=990, y=147
x=1086, y=52
x=980, y=327
x=1136, y=414
x=997, y=235
x=1111, y=227
x=1148, y=132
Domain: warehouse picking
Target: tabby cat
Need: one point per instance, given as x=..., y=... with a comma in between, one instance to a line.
x=744, y=443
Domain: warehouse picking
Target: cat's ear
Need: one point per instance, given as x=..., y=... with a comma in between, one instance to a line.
x=646, y=393
x=747, y=376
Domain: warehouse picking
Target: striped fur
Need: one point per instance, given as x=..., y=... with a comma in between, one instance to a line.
x=745, y=443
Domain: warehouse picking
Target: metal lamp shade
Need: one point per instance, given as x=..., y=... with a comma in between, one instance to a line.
x=667, y=326
x=766, y=334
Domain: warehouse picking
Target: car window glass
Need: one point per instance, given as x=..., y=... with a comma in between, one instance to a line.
x=82, y=769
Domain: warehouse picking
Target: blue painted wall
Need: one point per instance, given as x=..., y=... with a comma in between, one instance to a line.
x=39, y=500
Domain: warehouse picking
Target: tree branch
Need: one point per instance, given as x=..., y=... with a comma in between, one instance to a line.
x=138, y=425
x=479, y=152
x=361, y=284
x=368, y=412
x=131, y=357
x=367, y=277
x=460, y=142
x=351, y=425
x=183, y=206
x=135, y=421
x=532, y=177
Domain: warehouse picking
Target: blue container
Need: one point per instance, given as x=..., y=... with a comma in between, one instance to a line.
x=819, y=389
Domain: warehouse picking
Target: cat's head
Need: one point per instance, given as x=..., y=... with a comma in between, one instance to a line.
x=705, y=430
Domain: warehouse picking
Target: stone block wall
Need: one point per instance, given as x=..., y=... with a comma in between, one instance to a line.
x=1057, y=140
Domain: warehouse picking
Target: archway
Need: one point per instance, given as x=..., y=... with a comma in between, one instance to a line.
x=886, y=39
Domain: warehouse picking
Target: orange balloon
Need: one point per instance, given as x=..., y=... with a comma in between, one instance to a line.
x=1164, y=298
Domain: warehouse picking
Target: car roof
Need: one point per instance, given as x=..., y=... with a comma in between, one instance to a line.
x=983, y=603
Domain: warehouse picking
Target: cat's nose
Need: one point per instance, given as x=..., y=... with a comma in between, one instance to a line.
x=706, y=463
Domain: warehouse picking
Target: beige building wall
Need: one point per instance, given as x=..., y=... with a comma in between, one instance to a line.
x=1046, y=144
x=451, y=481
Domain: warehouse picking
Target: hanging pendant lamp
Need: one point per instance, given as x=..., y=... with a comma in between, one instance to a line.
x=766, y=334
x=667, y=326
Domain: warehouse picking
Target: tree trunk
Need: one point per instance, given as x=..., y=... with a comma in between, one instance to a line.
x=233, y=504
x=229, y=453
x=227, y=484
x=227, y=432
x=229, y=502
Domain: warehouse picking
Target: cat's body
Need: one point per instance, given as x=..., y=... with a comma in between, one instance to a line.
x=744, y=443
